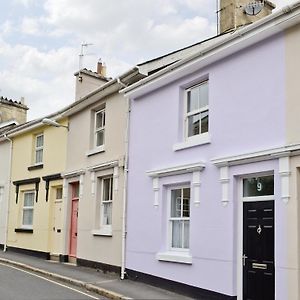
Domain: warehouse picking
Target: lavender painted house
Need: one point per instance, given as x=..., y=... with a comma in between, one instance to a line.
x=209, y=170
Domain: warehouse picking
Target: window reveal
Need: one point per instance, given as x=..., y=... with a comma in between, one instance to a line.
x=106, y=201
x=27, y=220
x=39, y=148
x=99, y=127
x=197, y=112
x=180, y=218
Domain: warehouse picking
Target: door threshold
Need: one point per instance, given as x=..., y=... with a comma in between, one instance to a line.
x=72, y=260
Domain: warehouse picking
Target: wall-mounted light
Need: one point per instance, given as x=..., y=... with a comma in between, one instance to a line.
x=53, y=123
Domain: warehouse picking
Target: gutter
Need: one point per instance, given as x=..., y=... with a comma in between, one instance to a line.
x=8, y=194
x=237, y=41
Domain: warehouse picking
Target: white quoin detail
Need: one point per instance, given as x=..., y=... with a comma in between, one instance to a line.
x=116, y=178
x=93, y=183
x=155, y=182
x=285, y=172
x=196, y=186
x=224, y=179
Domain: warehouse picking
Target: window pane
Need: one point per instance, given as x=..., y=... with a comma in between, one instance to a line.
x=100, y=119
x=193, y=125
x=39, y=156
x=28, y=199
x=107, y=189
x=28, y=217
x=107, y=213
x=203, y=94
x=40, y=141
x=59, y=193
x=75, y=190
x=193, y=100
x=176, y=203
x=176, y=234
x=204, y=122
x=100, y=138
x=186, y=233
x=258, y=186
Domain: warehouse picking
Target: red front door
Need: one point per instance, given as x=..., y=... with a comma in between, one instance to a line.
x=74, y=218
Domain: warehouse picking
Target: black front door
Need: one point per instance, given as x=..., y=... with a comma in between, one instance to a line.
x=258, y=250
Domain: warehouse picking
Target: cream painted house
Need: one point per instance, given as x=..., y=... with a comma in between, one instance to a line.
x=36, y=209
x=96, y=170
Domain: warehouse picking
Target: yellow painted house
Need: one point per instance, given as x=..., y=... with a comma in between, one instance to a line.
x=35, y=221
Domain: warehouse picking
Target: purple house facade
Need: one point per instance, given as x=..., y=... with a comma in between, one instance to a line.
x=208, y=180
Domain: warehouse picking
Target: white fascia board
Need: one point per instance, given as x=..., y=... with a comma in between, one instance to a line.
x=237, y=41
x=169, y=171
x=93, y=97
x=26, y=129
x=289, y=150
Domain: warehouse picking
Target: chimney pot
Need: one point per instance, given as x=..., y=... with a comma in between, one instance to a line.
x=101, y=68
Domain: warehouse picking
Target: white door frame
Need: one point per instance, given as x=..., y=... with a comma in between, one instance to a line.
x=241, y=200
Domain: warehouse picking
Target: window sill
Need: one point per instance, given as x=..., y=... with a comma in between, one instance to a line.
x=35, y=167
x=192, y=142
x=95, y=151
x=25, y=230
x=178, y=257
x=102, y=232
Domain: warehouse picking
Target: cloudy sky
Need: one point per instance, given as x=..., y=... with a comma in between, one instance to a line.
x=40, y=41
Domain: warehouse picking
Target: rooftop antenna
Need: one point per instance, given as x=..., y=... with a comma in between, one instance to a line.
x=84, y=45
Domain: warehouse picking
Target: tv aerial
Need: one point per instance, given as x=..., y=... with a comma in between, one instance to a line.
x=254, y=8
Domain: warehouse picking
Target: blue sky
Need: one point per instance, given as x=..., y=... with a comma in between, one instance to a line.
x=40, y=41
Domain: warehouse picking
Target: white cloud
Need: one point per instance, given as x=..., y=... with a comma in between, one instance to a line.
x=30, y=26
x=44, y=78
x=6, y=28
x=123, y=33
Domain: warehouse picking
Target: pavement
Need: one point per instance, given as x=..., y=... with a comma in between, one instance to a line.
x=105, y=284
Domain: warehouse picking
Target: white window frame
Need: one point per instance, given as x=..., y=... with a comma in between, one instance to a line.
x=106, y=228
x=170, y=219
x=38, y=148
x=194, y=112
x=27, y=208
x=101, y=128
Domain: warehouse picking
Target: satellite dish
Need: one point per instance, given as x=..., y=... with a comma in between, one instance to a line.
x=254, y=8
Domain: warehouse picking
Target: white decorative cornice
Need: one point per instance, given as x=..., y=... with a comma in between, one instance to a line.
x=73, y=174
x=103, y=166
x=170, y=171
x=269, y=154
x=195, y=168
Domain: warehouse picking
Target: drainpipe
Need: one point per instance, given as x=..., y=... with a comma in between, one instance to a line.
x=123, y=258
x=9, y=187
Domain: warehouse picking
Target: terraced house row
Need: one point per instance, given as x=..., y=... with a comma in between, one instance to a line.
x=182, y=172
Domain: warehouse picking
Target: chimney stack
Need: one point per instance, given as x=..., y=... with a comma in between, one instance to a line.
x=101, y=68
x=238, y=13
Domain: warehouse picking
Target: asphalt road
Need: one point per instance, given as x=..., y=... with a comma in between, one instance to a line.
x=17, y=284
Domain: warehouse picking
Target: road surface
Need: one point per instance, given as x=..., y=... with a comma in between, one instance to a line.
x=18, y=284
